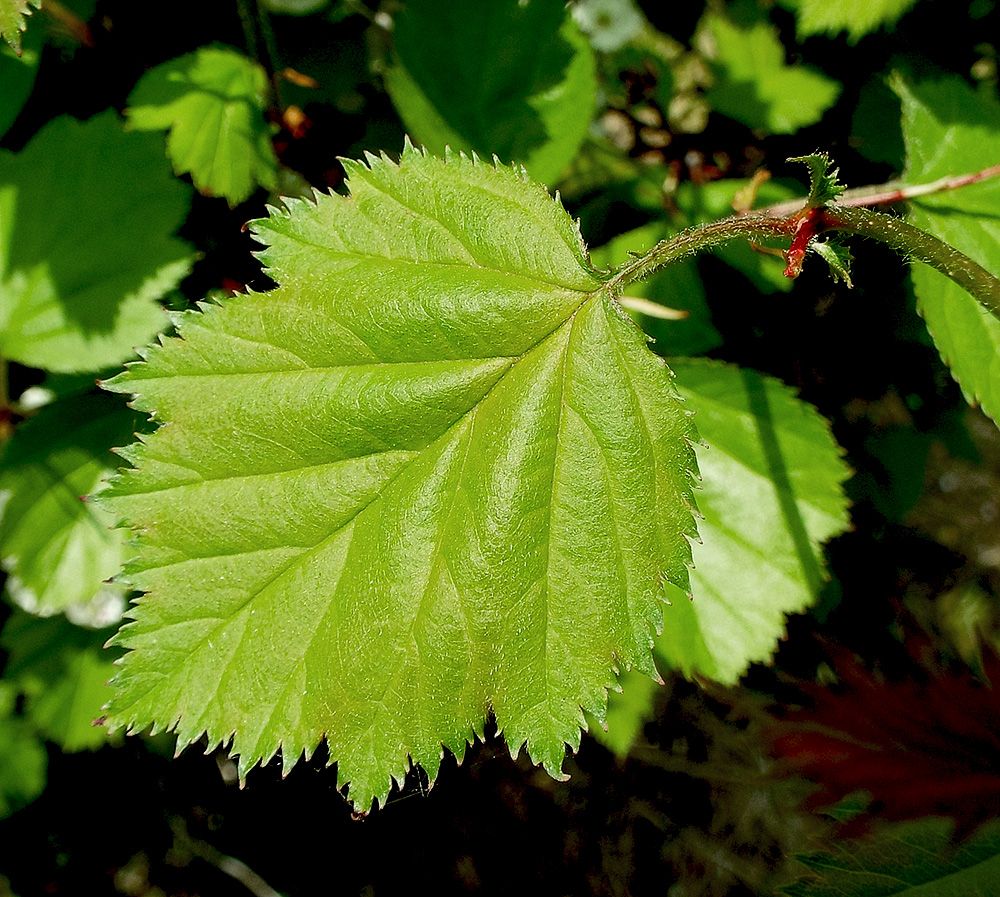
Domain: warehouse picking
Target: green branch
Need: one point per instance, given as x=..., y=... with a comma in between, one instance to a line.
x=914, y=243
x=883, y=194
x=802, y=229
x=697, y=239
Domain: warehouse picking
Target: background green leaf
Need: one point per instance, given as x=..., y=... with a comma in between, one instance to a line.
x=212, y=102
x=950, y=129
x=754, y=84
x=87, y=216
x=856, y=17
x=494, y=77
x=58, y=550
x=913, y=859
x=63, y=671
x=436, y=471
x=23, y=761
x=771, y=495
x=17, y=75
x=628, y=711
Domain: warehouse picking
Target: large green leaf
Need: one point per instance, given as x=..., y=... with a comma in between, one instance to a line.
x=949, y=129
x=12, y=15
x=497, y=77
x=754, y=85
x=913, y=859
x=436, y=472
x=771, y=495
x=58, y=550
x=87, y=215
x=856, y=17
x=212, y=102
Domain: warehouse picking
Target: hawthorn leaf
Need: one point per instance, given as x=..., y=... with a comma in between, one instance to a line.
x=912, y=859
x=754, y=85
x=495, y=77
x=856, y=17
x=437, y=472
x=12, y=20
x=87, y=216
x=212, y=103
x=59, y=551
x=62, y=670
x=771, y=495
x=950, y=129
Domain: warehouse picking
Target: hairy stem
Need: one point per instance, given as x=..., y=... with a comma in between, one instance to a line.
x=698, y=238
x=911, y=242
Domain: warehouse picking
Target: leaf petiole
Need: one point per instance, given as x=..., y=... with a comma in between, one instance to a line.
x=914, y=243
x=802, y=229
x=699, y=238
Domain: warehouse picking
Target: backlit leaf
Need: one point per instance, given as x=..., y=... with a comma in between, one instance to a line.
x=212, y=102
x=950, y=129
x=771, y=495
x=23, y=760
x=436, y=472
x=87, y=216
x=58, y=550
x=856, y=17
x=62, y=670
x=914, y=859
x=17, y=75
x=755, y=85
x=494, y=77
